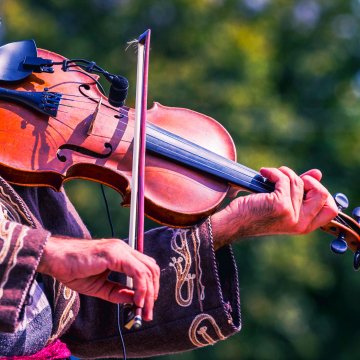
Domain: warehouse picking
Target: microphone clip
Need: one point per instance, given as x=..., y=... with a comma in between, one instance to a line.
x=38, y=64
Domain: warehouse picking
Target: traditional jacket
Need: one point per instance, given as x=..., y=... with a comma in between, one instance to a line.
x=198, y=302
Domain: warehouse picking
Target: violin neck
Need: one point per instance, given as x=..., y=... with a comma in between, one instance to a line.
x=169, y=145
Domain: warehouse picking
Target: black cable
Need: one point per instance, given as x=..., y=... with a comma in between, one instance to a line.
x=119, y=84
x=120, y=332
x=107, y=211
x=101, y=88
x=123, y=347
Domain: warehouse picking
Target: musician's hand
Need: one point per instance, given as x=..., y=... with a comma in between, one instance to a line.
x=299, y=204
x=84, y=266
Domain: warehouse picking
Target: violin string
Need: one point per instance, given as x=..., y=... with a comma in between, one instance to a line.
x=62, y=111
x=230, y=163
x=337, y=218
x=122, y=111
x=80, y=108
x=72, y=129
x=340, y=220
x=204, y=158
x=247, y=182
x=92, y=100
x=63, y=123
x=75, y=100
x=104, y=115
x=79, y=96
x=343, y=221
x=126, y=124
x=233, y=164
x=253, y=181
x=70, y=106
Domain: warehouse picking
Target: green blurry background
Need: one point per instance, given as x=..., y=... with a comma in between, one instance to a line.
x=284, y=78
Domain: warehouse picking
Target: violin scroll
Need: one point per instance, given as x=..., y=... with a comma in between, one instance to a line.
x=346, y=229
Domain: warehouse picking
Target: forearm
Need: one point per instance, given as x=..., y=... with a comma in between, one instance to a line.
x=240, y=219
x=225, y=228
x=63, y=255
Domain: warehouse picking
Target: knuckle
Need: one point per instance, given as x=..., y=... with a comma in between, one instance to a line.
x=324, y=195
x=286, y=180
x=150, y=258
x=157, y=270
x=141, y=289
x=143, y=273
x=299, y=182
x=284, y=168
x=289, y=173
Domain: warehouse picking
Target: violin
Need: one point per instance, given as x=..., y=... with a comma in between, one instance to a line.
x=60, y=126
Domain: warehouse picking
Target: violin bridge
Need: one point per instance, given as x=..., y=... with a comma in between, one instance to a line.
x=93, y=117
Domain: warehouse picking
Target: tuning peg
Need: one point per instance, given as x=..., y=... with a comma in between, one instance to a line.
x=341, y=201
x=356, y=214
x=339, y=245
x=357, y=260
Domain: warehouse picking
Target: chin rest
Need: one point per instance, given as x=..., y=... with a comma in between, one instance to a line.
x=12, y=57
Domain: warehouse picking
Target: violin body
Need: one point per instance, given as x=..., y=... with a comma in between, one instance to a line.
x=75, y=133
x=92, y=140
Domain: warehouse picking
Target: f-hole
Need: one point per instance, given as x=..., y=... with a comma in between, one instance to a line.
x=84, y=151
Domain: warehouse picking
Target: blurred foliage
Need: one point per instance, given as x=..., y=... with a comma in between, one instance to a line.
x=283, y=77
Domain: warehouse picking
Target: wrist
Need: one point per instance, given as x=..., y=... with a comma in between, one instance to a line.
x=44, y=263
x=51, y=255
x=225, y=228
x=240, y=219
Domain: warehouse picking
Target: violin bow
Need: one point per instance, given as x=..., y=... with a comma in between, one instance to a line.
x=137, y=213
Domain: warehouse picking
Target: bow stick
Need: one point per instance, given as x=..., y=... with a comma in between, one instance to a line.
x=136, y=223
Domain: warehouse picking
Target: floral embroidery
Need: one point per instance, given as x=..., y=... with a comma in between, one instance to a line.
x=5, y=233
x=199, y=285
x=67, y=315
x=202, y=331
x=184, y=290
x=12, y=210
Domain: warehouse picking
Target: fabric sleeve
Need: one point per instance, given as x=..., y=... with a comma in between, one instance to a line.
x=20, y=250
x=198, y=303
